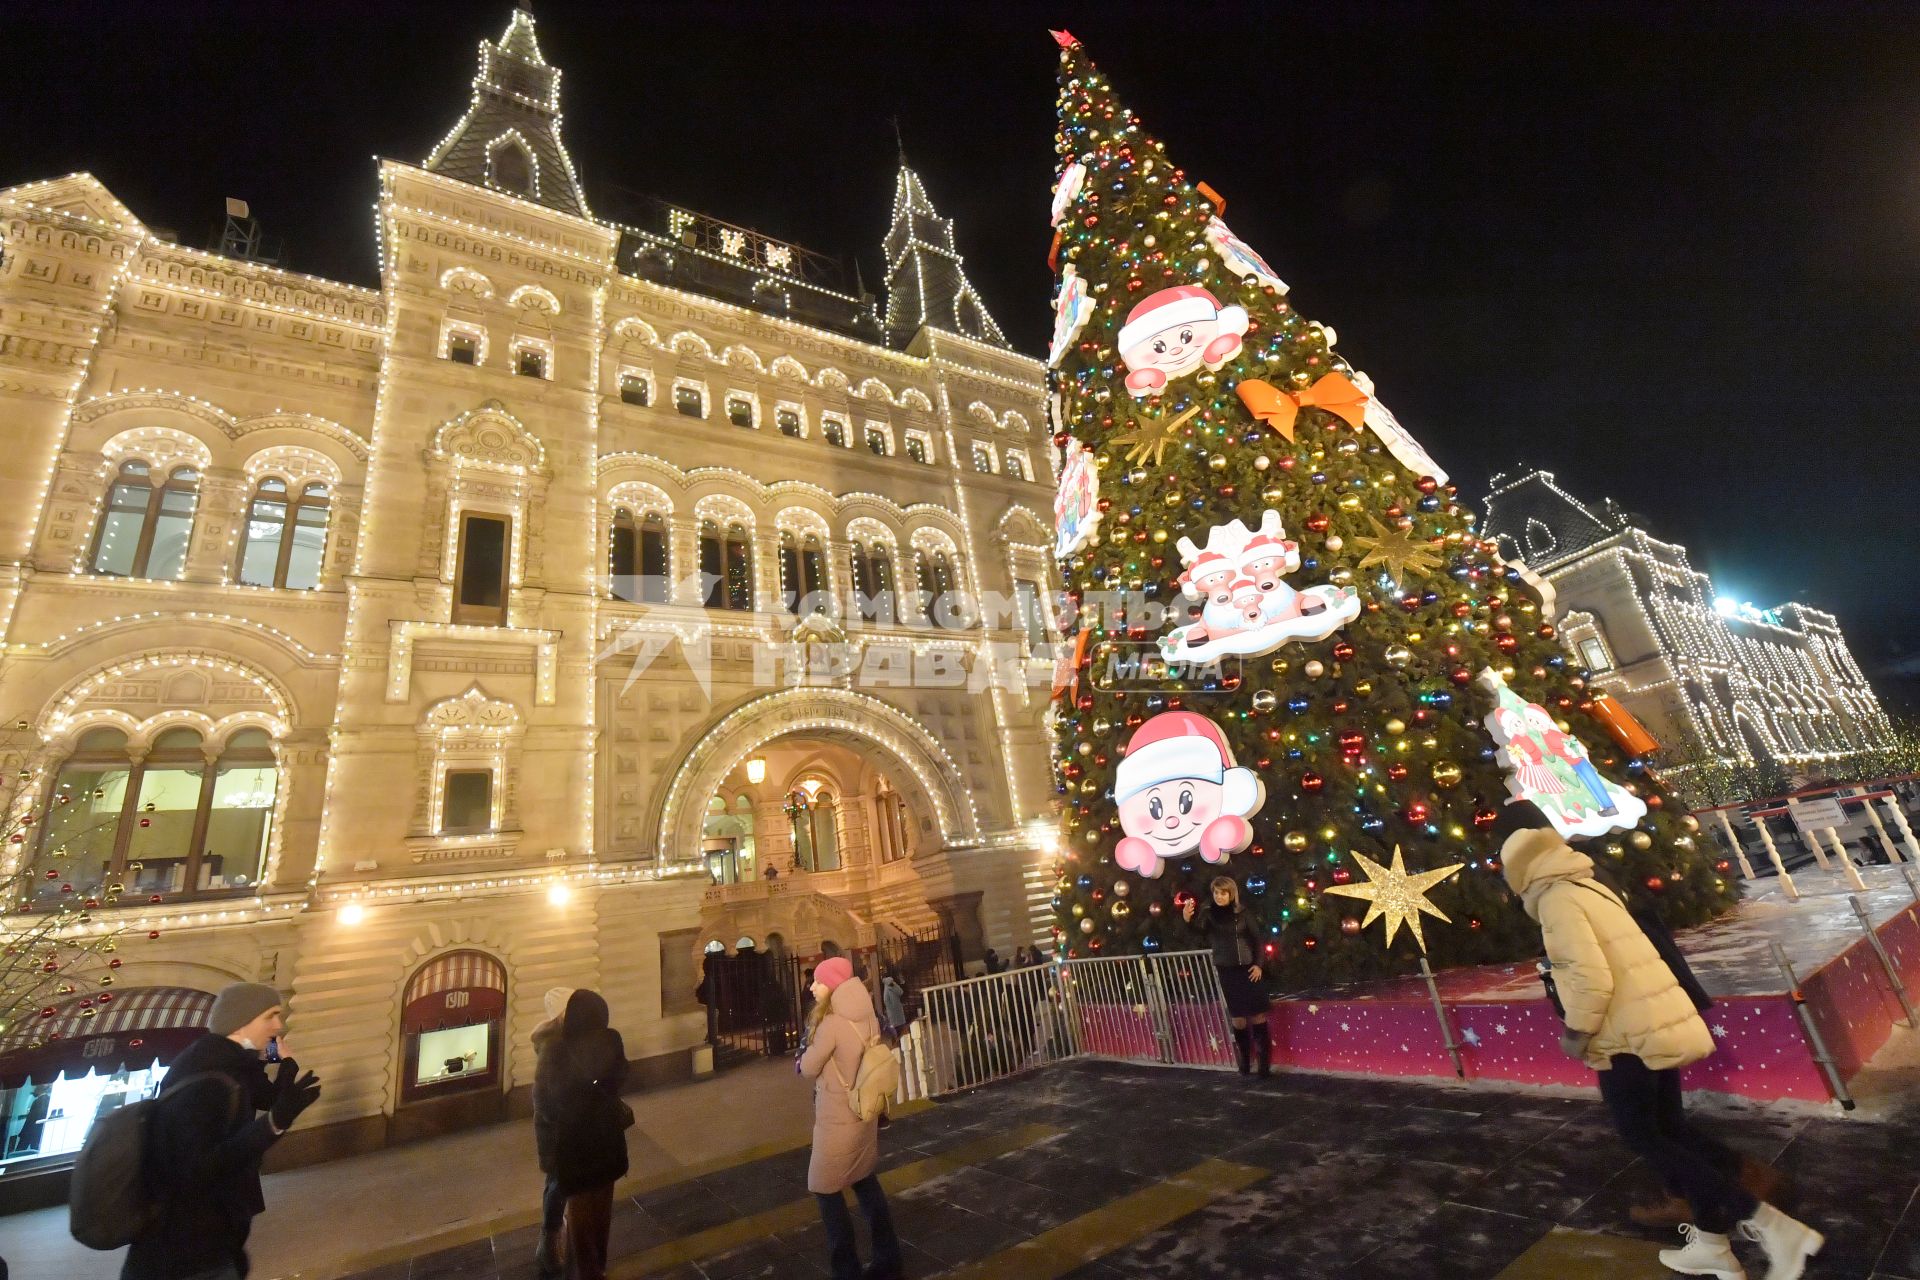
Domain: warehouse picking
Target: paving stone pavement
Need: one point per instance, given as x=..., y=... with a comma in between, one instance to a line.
x=1098, y=1171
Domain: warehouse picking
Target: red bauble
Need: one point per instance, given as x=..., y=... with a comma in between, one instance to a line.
x=1342, y=651
x=1319, y=522
x=1352, y=742
x=1397, y=771
x=1484, y=818
x=1312, y=783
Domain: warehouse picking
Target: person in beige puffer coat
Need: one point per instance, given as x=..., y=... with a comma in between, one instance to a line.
x=1628, y=1018
x=846, y=1148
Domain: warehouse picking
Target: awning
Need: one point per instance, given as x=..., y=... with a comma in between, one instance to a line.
x=130, y=1030
x=455, y=990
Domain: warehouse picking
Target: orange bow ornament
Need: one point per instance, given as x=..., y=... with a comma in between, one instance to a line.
x=1278, y=408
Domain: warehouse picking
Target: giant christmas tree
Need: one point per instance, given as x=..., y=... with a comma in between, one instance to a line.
x=1329, y=708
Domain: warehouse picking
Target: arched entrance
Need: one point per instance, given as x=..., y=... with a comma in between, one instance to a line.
x=1751, y=737
x=918, y=767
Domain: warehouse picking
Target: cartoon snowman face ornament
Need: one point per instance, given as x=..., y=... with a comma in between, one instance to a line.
x=1179, y=790
x=1171, y=333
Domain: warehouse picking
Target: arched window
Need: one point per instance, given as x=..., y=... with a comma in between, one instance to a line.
x=862, y=578
x=143, y=531
x=193, y=826
x=739, y=568
x=923, y=581
x=623, y=550
x=891, y=827
x=880, y=569
x=810, y=813
x=512, y=168
x=790, y=572
x=813, y=574
x=656, y=564
x=270, y=556
x=726, y=564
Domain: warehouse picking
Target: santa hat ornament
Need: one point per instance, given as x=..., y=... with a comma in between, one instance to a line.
x=1182, y=744
x=1182, y=304
x=1203, y=564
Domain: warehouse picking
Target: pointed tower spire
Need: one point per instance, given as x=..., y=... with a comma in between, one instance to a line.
x=925, y=285
x=509, y=139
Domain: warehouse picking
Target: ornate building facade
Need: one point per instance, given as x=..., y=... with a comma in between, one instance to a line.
x=543, y=616
x=1709, y=677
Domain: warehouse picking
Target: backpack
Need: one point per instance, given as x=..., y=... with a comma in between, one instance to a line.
x=875, y=1083
x=111, y=1202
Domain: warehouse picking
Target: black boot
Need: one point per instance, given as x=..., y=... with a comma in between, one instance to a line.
x=1263, y=1047
x=1241, y=1050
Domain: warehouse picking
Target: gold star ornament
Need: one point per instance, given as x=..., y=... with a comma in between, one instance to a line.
x=1392, y=893
x=1152, y=436
x=1398, y=550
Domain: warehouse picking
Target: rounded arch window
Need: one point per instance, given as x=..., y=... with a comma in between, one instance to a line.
x=144, y=530
x=181, y=821
x=284, y=536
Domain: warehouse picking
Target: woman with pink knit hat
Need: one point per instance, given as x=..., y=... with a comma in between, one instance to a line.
x=845, y=1147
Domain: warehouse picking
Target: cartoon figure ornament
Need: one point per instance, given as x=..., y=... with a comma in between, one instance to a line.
x=1240, y=258
x=1550, y=768
x=1246, y=605
x=1172, y=333
x=1067, y=190
x=1076, y=503
x=1071, y=307
x=1178, y=790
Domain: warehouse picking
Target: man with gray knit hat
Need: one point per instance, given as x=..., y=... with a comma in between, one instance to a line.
x=207, y=1141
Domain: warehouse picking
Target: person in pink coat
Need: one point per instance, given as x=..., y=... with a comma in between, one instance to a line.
x=845, y=1147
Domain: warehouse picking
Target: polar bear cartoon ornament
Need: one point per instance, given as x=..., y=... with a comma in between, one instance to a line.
x=1173, y=332
x=1178, y=790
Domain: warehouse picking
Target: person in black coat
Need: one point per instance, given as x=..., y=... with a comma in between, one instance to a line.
x=216, y=1119
x=581, y=1123
x=1235, y=943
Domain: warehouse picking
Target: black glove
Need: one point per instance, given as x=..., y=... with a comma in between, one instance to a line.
x=292, y=1096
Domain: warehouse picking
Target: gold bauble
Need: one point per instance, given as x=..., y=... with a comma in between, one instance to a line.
x=1640, y=840
x=1690, y=822
x=1398, y=655
x=1295, y=841
x=1362, y=688
x=1218, y=462
x=1447, y=774
x=1396, y=726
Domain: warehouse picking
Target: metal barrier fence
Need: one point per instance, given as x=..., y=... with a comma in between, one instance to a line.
x=1163, y=1008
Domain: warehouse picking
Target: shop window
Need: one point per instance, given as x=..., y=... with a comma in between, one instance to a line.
x=144, y=530
x=835, y=432
x=788, y=420
x=917, y=447
x=195, y=827
x=452, y=1018
x=284, y=537
x=463, y=348
x=480, y=579
x=466, y=803
x=60, y=1074
x=689, y=403
x=739, y=411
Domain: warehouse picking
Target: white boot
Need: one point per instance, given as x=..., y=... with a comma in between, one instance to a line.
x=1705, y=1254
x=1788, y=1242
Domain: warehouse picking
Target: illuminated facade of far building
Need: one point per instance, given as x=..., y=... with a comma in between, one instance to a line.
x=510, y=624
x=1707, y=676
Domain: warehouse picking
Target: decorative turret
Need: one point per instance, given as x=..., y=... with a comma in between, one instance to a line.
x=509, y=139
x=925, y=285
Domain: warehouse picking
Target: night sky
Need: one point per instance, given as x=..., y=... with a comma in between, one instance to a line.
x=1672, y=256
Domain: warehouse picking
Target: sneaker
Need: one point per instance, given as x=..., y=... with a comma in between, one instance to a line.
x=1704, y=1254
x=1787, y=1242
